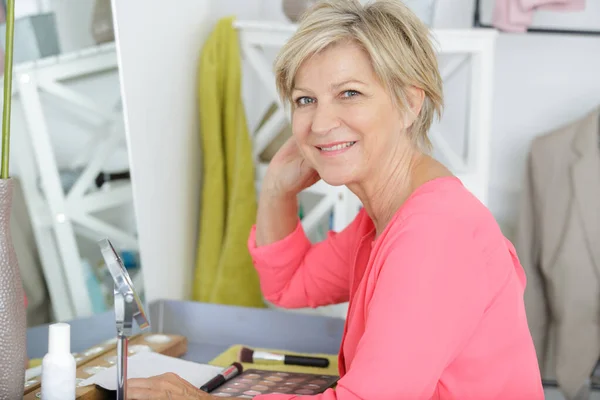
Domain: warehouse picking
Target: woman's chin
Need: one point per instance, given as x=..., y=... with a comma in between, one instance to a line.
x=335, y=179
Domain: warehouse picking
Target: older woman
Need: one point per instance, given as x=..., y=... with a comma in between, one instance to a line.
x=435, y=290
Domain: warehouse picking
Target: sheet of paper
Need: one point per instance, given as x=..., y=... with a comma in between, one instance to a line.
x=147, y=364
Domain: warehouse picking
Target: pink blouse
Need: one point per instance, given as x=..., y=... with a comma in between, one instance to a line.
x=436, y=301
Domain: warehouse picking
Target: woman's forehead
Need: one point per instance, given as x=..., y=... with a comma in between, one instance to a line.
x=335, y=66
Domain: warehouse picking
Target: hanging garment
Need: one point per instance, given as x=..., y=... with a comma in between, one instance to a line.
x=224, y=272
x=517, y=15
x=558, y=243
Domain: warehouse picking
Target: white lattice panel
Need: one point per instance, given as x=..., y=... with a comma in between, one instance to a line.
x=57, y=216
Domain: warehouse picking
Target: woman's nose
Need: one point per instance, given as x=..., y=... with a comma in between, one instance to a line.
x=324, y=119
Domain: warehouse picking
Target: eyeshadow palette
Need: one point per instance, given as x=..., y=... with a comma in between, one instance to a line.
x=253, y=382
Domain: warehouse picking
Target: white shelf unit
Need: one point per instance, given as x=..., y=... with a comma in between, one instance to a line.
x=58, y=216
x=473, y=48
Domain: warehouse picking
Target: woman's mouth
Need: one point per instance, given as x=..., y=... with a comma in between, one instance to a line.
x=336, y=147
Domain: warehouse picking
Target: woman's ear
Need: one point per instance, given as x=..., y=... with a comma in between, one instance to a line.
x=415, y=98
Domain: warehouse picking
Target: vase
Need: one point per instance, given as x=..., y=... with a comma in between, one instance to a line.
x=13, y=325
x=293, y=9
x=102, y=22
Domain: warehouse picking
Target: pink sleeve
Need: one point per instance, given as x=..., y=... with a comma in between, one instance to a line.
x=295, y=273
x=426, y=304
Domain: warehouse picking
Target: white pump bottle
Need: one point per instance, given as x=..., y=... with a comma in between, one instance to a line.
x=58, y=366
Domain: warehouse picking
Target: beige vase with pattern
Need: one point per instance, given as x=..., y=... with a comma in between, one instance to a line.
x=13, y=325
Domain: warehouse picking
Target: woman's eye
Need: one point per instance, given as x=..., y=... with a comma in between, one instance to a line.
x=302, y=101
x=350, y=93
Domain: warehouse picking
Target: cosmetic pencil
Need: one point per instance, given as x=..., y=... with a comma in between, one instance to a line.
x=228, y=373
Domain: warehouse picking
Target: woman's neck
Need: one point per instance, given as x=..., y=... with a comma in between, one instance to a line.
x=383, y=193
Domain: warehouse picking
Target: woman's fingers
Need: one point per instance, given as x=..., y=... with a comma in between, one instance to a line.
x=142, y=383
x=149, y=394
x=167, y=386
x=141, y=393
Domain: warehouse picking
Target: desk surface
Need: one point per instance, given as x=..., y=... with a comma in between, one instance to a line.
x=210, y=329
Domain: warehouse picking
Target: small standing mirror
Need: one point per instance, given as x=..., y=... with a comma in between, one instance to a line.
x=128, y=307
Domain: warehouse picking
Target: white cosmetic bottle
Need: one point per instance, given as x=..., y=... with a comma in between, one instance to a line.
x=58, y=366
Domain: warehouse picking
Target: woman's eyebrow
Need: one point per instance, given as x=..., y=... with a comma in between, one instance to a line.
x=300, y=89
x=345, y=82
x=333, y=86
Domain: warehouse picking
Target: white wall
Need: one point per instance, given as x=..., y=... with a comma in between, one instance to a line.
x=158, y=48
x=542, y=81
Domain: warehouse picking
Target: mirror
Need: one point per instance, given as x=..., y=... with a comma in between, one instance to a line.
x=128, y=307
x=70, y=158
x=124, y=289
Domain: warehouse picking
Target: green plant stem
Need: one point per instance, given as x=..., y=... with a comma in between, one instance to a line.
x=8, y=64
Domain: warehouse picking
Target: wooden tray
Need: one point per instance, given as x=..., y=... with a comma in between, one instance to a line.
x=104, y=355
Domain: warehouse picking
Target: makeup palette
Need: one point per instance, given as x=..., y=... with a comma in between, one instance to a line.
x=254, y=382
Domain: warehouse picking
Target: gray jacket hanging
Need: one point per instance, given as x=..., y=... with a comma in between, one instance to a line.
x=558, y=243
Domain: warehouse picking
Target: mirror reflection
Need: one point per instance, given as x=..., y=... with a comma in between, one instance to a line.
x=69, y=158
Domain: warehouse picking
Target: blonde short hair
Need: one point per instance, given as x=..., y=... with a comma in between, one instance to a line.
x=395, y=39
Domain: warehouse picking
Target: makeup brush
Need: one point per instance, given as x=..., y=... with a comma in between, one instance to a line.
x=247, y=355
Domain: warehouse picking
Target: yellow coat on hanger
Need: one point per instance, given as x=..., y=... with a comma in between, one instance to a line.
x=224, y=272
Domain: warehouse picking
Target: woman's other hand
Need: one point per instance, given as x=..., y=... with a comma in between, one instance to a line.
x=164, y=387
x=288, y=172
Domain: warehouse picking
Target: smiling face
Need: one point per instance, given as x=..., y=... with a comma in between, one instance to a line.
x=344, y=121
